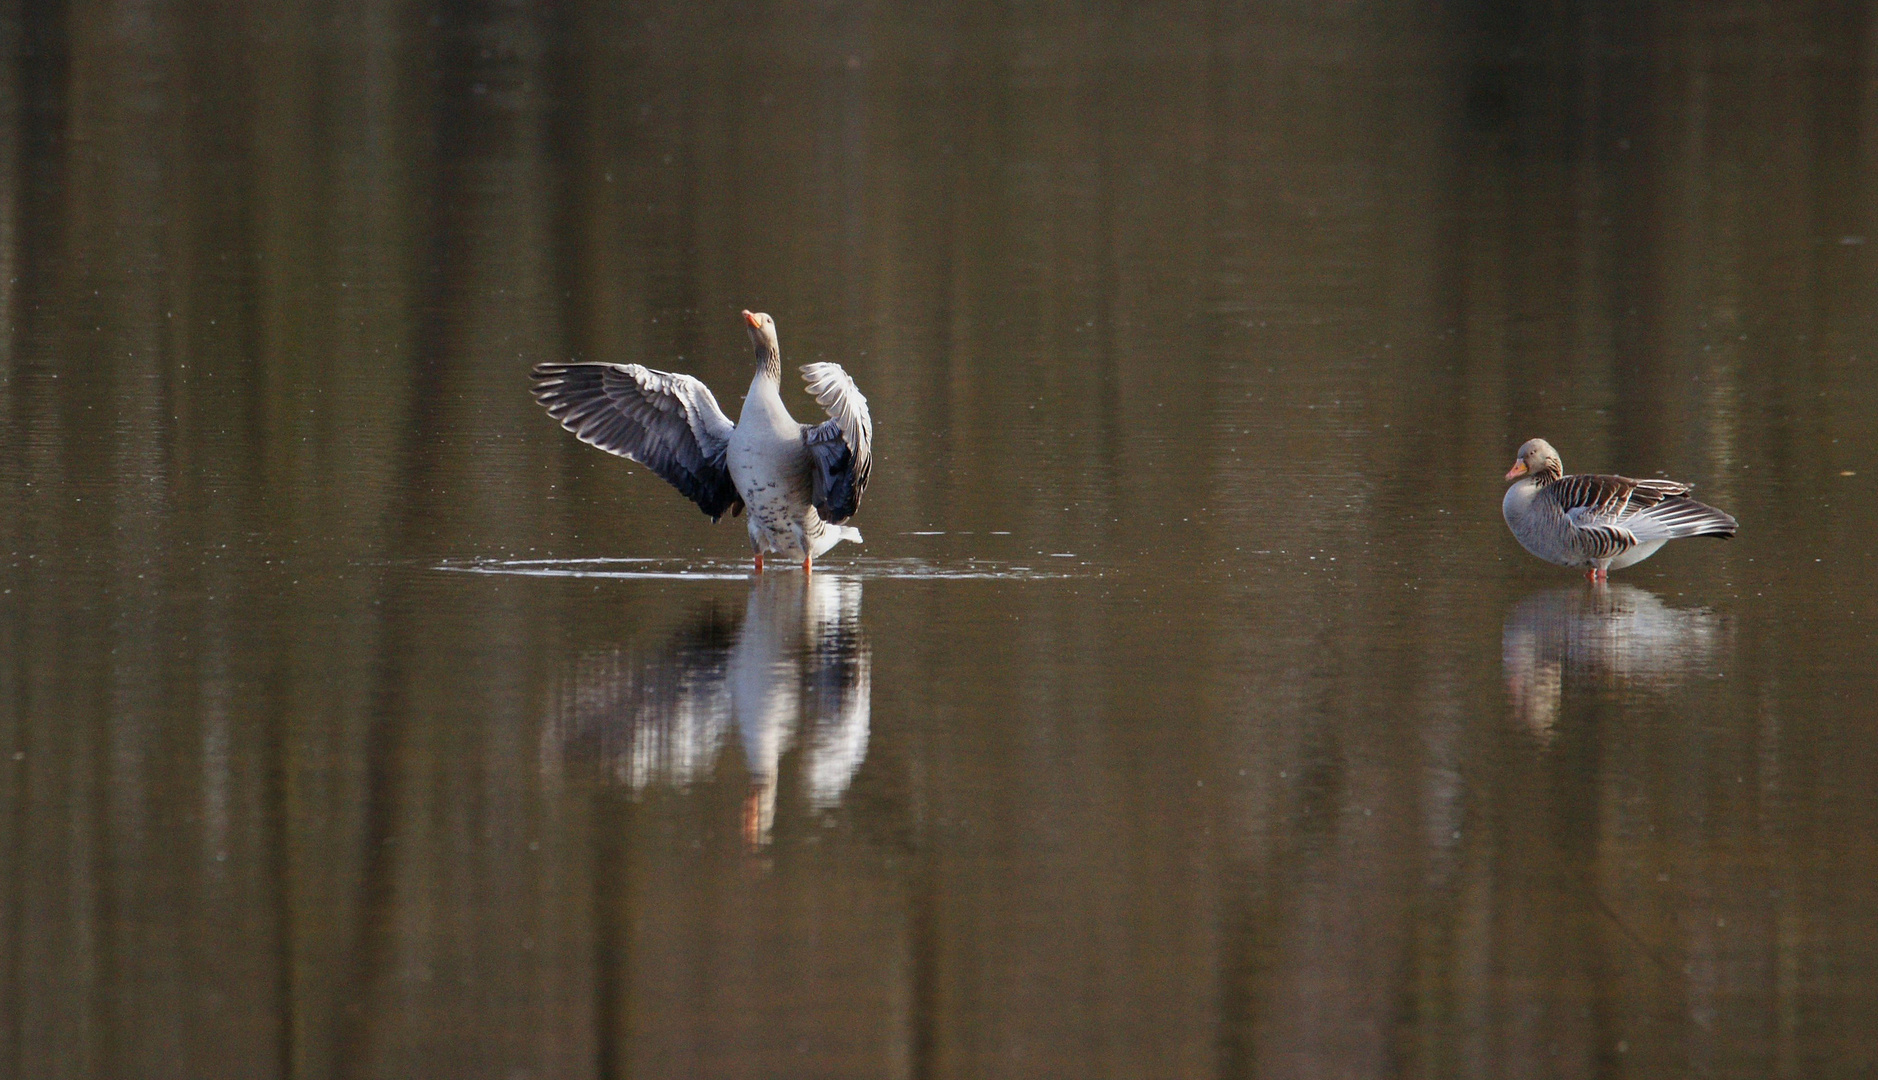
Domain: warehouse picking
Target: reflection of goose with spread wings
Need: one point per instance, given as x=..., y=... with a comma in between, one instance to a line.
x=800, y=657
x=1618, y=634
x=797, y=670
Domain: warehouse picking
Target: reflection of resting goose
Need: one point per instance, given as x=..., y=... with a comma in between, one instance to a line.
x=797, y=669
x=800, y=482
x=1599, y=523
x=1616, y=633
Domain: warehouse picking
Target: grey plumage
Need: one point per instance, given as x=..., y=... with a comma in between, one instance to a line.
x=1599, y=523
x=800, y=482
x=669, y=423
x=842, y=447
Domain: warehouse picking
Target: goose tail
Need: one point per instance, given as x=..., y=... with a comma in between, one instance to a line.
x=1677, y=518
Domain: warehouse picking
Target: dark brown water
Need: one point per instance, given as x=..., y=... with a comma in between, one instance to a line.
x=1188, y=712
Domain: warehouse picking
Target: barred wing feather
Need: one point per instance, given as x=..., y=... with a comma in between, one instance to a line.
x=1613, y=497
x=1614, y=513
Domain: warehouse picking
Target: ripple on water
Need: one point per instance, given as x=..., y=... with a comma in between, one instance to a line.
x=717, y=570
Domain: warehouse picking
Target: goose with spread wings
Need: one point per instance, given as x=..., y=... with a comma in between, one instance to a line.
x=799, y=482
x=1599, y=523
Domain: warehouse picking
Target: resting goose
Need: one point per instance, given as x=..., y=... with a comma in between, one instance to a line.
x=799, y=482
x=1599, y=523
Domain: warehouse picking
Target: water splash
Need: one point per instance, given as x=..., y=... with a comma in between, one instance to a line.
x=720, y=570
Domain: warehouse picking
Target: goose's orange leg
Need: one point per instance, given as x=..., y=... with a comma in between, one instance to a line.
x=753, y=819
x=759, y=562
x=807, y=564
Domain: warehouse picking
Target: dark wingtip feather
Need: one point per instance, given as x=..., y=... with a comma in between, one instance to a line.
x=1722, y=525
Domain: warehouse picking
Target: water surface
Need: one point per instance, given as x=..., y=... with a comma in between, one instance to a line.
x=1188, y=710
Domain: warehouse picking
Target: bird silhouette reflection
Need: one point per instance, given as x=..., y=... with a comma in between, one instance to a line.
x=1612, y=635
x=794, y=673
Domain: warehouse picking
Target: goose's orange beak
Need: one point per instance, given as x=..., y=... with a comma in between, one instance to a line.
x=750, y=318
x=1518, y=470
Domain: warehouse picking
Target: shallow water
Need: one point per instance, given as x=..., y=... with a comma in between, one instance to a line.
x=1188, y=710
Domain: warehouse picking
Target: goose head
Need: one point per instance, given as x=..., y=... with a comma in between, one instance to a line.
x=762, y=330
x=1536, y=458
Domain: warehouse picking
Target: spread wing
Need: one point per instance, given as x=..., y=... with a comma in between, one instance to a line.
x=669, y=423
x=841, y=448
